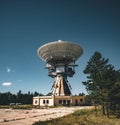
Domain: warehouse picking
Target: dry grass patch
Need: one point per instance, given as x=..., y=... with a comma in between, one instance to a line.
x=82, y=117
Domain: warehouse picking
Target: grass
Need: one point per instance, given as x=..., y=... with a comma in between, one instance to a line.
x=16, y=107
x=22, y=107
x=82, y=117
x=4, y=106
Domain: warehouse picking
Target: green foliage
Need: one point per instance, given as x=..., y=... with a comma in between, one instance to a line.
x=4, y=106
x=23, y=98
x=83, y=112
x=115, y=90
x=100, y=74
x=103, y=82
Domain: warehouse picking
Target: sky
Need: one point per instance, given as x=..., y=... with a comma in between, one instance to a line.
x=25, y=25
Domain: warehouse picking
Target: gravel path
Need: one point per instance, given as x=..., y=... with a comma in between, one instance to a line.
x=28, y=117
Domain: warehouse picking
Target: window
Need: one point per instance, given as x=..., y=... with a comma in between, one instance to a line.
x=36, y=101
x=64, y=101
x=47, y=101
x=81, y=100
x=43, y=101
x=60, y=101
x=68, y=102
x=76, y=102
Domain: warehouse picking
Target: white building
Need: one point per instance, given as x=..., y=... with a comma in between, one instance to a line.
x=44, y=101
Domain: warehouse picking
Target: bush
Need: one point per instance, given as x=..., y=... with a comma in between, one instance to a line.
x=22, y=107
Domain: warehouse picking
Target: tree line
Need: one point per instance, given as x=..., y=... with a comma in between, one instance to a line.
x=21, y=98
x=103, y=83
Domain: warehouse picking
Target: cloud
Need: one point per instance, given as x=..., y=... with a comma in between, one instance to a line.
x=9, y=70
x=6, y=83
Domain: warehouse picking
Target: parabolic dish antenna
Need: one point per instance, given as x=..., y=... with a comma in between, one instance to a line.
x=60, y=57
x=60, y=52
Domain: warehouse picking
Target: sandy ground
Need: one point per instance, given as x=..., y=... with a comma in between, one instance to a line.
x=28, y=117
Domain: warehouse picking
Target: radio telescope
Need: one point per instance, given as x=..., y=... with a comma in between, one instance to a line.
x=60, y=57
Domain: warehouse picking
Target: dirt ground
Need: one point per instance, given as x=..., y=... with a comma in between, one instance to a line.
x=28, y=117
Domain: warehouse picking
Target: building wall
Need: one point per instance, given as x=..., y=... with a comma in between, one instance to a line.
x=47, y=101
x=36, y=101
x=43, y=101
x=62, y=100
x=59, y=101
x=78, y=100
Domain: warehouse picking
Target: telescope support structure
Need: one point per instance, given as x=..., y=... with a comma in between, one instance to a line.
x=60, y=57
x=60, y=86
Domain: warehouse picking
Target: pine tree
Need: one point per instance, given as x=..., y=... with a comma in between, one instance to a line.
x=101, y=78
